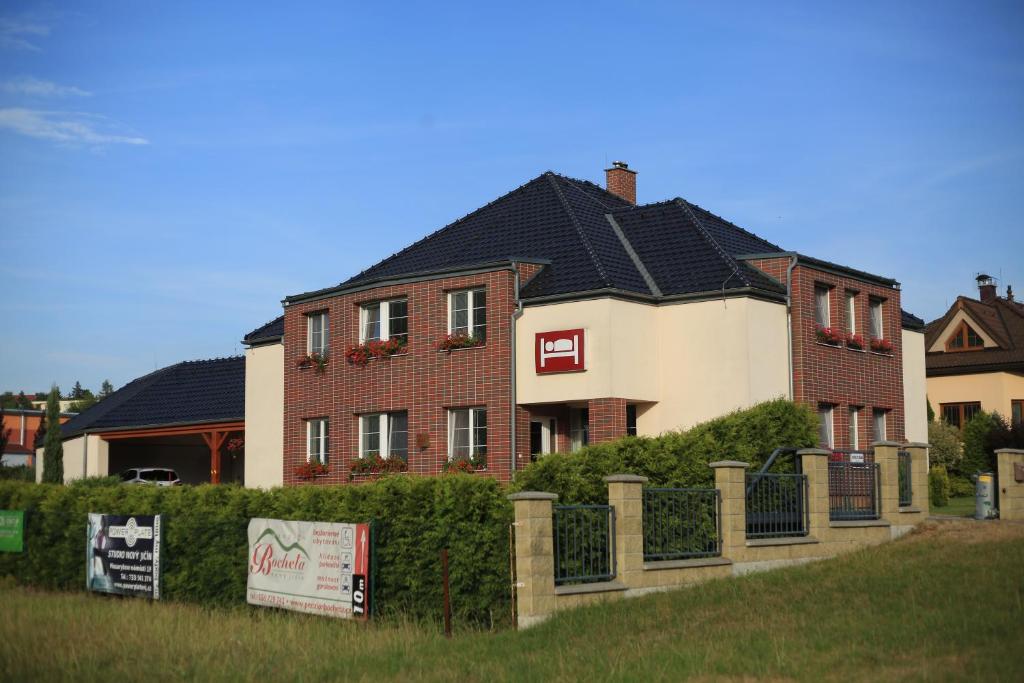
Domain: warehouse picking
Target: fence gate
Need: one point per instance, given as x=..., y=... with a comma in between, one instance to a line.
x=584, y=543
x=854, y=491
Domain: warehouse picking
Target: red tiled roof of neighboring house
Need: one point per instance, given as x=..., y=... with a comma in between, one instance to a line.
x=1002, y=320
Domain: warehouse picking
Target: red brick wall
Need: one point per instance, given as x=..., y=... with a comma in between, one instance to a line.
x=607, y=419
x=424, y=381
x=838, y=375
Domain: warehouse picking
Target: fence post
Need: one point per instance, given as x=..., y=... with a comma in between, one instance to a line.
x=1011, y=490
x=626, y=495
x=535, y=555
x=730, y=479
x=814, y=464
x=918, y=476
x=888, y=469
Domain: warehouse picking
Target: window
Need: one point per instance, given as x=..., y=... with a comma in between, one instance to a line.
x=317, y=333
x=316, y=440
x=964, y=339
x=631, y=420
x=878, y=424
x=542, y=436
x=467, y=313
x=384, y=320
x=384, y=434
x=579, y=428
x=825, y=434
x=467, y=433
x=851, y=312
x=1017, y=412
x=959, y=414
x=877, y=329
x=822, y=315
x=854, y=427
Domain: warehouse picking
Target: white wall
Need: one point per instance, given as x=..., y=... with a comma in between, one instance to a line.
x=915, y=408
x=80, y=461
x=264, y=416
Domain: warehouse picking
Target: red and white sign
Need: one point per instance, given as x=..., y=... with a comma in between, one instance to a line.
x=560, y=351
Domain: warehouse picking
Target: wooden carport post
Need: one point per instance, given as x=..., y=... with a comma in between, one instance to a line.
x=214, y=440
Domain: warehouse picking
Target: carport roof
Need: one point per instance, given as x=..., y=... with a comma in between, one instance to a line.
x=187, y=393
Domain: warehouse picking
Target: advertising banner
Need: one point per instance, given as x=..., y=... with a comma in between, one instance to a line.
x=314, y=567
x=123, y=555
x=12, y=531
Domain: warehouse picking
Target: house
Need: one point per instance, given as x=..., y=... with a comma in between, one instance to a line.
x=66, y=404
x=561, y=314
x=23, y=425
x=184, y=417
x=975, y=358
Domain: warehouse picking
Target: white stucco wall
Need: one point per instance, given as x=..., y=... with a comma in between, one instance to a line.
x=78, y=461
x=694, y=361
x=915, y=408
x=264, y=416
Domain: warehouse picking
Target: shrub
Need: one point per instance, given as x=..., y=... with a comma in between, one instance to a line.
x=205, y=545
x=945, y=445
x=675, y=458
x=977, y=455
x=960, y=487
x=18, y=472
x=938, y=486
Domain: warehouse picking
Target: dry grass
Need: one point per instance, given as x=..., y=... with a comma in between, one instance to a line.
x=943, y=604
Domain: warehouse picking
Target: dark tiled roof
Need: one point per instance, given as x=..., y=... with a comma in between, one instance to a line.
x=911, y=321
x=270, y=332
x=1001, y=320
x=189, y=392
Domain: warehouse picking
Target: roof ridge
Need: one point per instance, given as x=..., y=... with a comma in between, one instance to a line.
x=729, y=260
x=580, y=183
x=579, y=231
x=729, y=222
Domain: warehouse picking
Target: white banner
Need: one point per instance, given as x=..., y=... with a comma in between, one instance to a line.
x=315, y=567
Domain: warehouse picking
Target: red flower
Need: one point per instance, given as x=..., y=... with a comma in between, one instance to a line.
x=459, y=341
x=828, y=335
x=855, y=341
x=881, y=346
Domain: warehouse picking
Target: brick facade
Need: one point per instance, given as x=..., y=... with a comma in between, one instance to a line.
x=841, y=376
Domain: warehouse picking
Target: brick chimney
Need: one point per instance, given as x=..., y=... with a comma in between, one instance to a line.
x=621, y=181
x=986, y=288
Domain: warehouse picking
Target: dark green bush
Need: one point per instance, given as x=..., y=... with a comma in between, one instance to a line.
x=960, y=486
x=675, y=458
x=205, y=547
x=938, y=486
x=17, y=473
x=978, y=456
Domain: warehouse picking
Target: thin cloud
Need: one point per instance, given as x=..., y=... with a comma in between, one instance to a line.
x=64, y=127
x=15, y=35
x=34, y=87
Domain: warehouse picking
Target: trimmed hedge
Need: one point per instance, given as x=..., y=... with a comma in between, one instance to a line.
x=675, y=458
x=938, y=486
x=205, y=547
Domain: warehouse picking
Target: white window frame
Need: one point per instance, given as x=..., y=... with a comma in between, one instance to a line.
x=875, y=415
x=384, y=432
x=877, y=305
x=826, y=411
x=818, y=289
x=385, y=318
x=854, y=428
x=548, y=434
x=318, y=443
x=473, y=446
x=579, y=429
x=851, y=312
x=471, y=323
x=324, y=333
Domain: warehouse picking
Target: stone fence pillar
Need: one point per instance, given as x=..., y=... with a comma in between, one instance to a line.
x=1010, y=480
x=814, y=464
x=888, y=469
x=535, y=555
x=730, y=480
x=626, y=495
x=918, y=476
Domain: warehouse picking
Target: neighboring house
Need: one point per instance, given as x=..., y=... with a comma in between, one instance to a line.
x=182, y=417
x=571, y=316
x=975, y=358
x=65, y=404
x=23, y=425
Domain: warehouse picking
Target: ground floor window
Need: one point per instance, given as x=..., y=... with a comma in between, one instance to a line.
x=543, y=431
x=467, y=433
x=854, y=427
x=878, y=417
x=579, y=428
x=826, y=434
x=959, y=414
x=317, y=432
x=385, y=435
x=1017, y=412
x=631, y=420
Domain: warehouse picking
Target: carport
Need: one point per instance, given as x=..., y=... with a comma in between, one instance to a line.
x=196, y=452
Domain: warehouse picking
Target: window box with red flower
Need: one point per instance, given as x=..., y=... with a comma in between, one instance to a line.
x=459, y=341
x=855, y=341
x=374, y=465
x=881, y=346
x=360, y=354
x=312, y=360
x=829, y=335
x=465, y=465
x=312, y=470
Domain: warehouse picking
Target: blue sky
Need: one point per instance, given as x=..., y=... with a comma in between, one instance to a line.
x=170, y=171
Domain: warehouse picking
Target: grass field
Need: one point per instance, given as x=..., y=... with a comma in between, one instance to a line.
x=946, y=603
x=962, y=506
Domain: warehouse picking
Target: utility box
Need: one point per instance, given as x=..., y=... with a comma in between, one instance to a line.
x=985, y=496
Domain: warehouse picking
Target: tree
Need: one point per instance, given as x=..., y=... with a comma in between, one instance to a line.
x=53, y=449
x=946, y=449
x=37, y=441
x=77, y=392
x=931, y=412
x=106, y=389
x=977, y=456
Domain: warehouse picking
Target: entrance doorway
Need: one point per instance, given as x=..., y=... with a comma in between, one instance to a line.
x=542, y=436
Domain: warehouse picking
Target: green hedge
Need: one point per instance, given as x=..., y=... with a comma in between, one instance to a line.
x=205, y=547
x=675, y=458
x=938, y=486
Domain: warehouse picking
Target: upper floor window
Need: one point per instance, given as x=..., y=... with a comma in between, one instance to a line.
x=317, y=433
x=467, y=433
x=965, y=338
x=826, y=433
x=467, y=313
x=822, y=315
x=384, y=320
x=877, y=328
x=385, y=435
x=959, y=414
x=317, y=333
x=878, y=424
x=851, y=312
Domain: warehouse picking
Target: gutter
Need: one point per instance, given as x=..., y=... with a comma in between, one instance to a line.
x=789, y=320
x=516, y=314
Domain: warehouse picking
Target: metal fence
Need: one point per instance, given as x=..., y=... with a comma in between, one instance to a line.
x=905, y=481
x=854, y=491
x=776, y=505
x=584, y=540
x=682, y=523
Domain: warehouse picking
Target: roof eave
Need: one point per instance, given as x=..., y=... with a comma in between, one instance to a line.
x=610, y=292
x=825, y=266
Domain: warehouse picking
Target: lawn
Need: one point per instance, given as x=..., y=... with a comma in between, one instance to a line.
x=946, y=603
x=962, y=506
